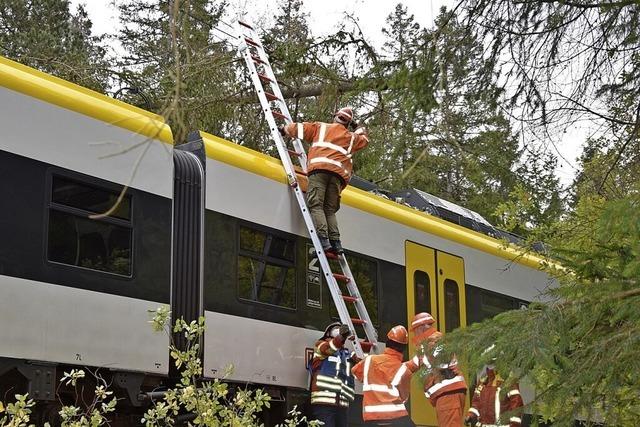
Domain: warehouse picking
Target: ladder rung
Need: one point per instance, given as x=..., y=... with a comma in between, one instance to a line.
x=264, y=78
x=358, y=321
x=348, y=298
x=331, y=255
x=244, y=24
x=294, y=153
x=366, y=345
x=271, y=97
x=251, y=42
x=258, y=60
x=340, y=277
x=279, y=115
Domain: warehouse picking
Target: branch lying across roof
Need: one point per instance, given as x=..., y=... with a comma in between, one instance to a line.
x=375, y=85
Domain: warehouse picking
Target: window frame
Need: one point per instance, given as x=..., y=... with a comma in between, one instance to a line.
x=98, y=184
x=269, y=260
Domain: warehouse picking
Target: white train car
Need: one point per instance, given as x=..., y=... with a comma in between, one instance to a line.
x=75, y=289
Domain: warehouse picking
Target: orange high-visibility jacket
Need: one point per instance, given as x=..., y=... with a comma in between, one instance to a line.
x=443, y=378
x=385, y=383
x=488, y=404
x=332, y=146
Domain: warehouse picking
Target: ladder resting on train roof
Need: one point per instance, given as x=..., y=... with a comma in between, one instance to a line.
x=274, y=107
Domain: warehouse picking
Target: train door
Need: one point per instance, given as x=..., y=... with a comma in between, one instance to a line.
x=435, y=284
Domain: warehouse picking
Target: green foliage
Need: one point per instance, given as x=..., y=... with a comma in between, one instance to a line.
x=17, y=414
x=212, y=403
x=578, y=349
x=173, y=58
x=535, y=201
x=47, y=35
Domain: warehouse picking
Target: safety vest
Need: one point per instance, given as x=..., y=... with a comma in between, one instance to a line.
x=443, y=378
x=332, y=146
x=488, y=405
x=385, y=385
x=332, y=382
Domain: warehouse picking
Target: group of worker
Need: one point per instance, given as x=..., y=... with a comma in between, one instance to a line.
x=385, y=377
x=386, y=381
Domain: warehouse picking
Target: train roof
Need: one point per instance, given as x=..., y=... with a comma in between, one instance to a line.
x=54, y=90
x=37, y=84
x=261, y=164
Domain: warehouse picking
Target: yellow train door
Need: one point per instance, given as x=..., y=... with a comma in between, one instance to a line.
x=435, y=284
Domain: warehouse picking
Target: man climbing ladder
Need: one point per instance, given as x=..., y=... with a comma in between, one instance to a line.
x=336, y=160
x=329, y=168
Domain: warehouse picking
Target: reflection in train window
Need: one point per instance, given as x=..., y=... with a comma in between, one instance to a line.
x=74, y=238
x=266, y=268
x=451, y=305
x=422, y=292
x=483, y=304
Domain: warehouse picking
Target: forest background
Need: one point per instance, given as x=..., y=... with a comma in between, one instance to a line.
x=467, y=110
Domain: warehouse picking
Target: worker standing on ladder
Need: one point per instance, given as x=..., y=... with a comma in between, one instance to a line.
x=329, y=168
x=332, y=384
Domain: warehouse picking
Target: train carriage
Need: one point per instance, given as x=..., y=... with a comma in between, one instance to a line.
x=209, y=228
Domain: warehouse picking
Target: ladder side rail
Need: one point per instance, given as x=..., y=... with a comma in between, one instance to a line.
x=275, y=87
x=273, y=127
x=336, y=293
x=334, y=288
x=354, y=291
x=297, y=144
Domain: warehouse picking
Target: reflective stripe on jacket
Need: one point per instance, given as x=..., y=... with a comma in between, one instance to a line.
x=442, y=379
x=385, y=384
x=490, y=407
x=331, y=380
x=332, y=146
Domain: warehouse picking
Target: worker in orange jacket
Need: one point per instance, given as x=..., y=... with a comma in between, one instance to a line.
x=491, y=402
x=444, y=386
x=386, y=382
x=329, y=168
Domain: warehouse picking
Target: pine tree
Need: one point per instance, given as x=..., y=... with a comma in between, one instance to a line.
x=46, y=35
x=172, y=57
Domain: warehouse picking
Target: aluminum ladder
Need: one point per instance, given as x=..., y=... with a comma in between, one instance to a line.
x=274, y=107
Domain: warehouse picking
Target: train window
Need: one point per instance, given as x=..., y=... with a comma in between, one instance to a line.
x=365, y=272
x=492, y=304
x=451, y=305
x=88, y=198
x=264, y=244
x=102, y=244
x=422, y=294
x=266, y=268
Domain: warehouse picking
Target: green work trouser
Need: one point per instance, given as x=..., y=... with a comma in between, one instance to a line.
x=323, y=198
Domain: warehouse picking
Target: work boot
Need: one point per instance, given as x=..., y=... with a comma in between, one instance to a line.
x=337, y=246
x=326, y=244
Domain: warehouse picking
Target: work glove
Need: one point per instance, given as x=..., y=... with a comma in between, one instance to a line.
x=345, y=332
x=281, y=130
x=471, y=420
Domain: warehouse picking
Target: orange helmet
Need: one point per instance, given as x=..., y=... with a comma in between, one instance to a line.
x=435, y=336
x=421, y=319
x=398, y=334
x=343, y=116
